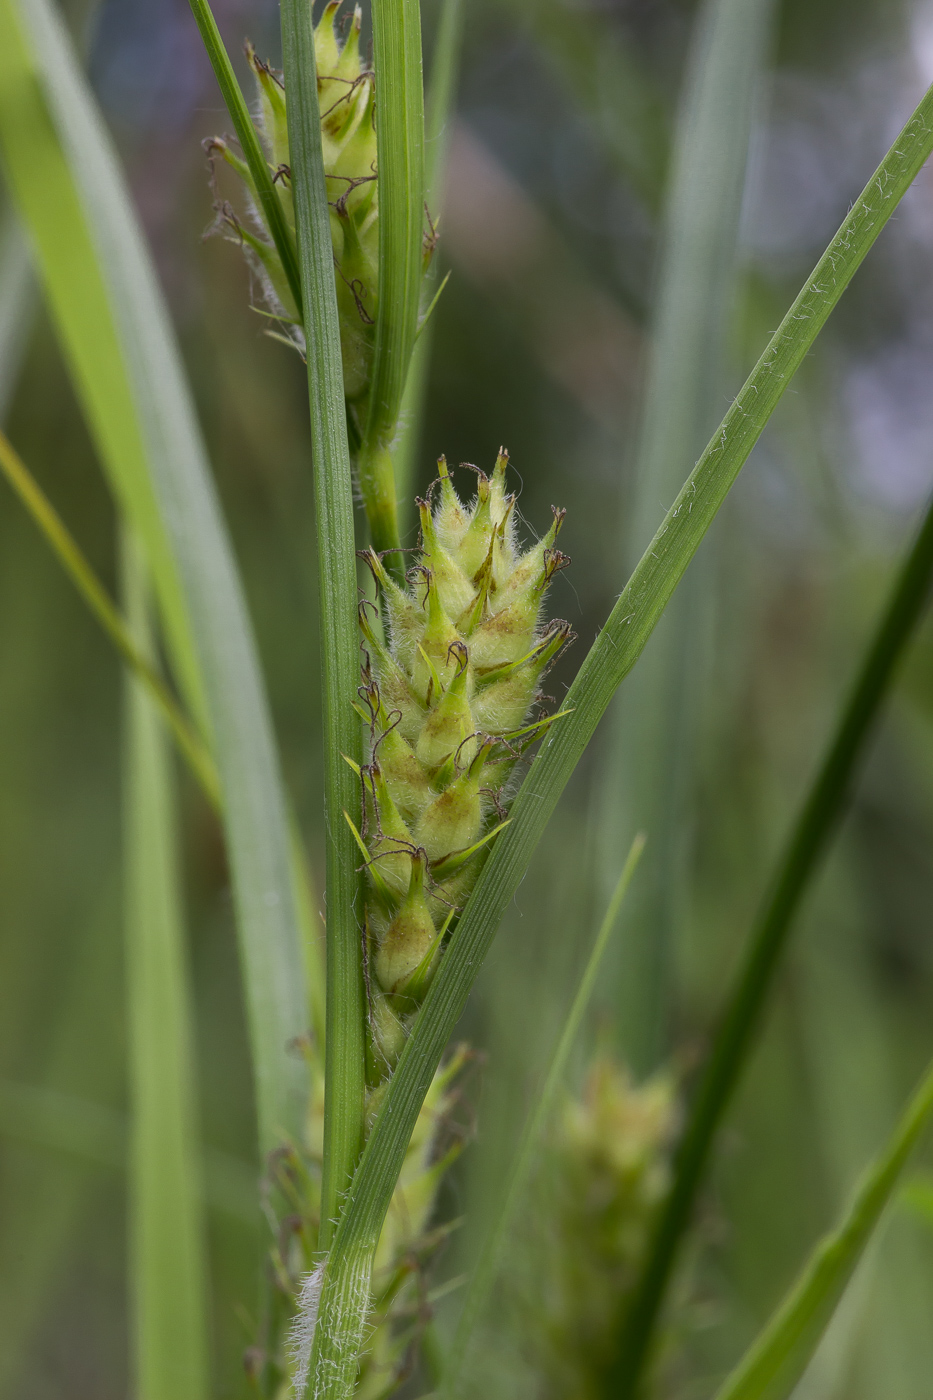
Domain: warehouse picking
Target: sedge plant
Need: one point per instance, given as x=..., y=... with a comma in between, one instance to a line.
x=431, y=816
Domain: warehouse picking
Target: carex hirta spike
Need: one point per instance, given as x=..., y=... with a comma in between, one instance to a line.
x=348, y=108
x=452, y=668
x=346, y=96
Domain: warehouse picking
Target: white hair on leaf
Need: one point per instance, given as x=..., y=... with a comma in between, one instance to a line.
x=301, y=1332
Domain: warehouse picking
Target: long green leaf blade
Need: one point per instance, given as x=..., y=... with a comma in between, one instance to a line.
x=778, y=1358
x=345, y=1063
x=615, y=651
x=118, y=341
x=167, y=1227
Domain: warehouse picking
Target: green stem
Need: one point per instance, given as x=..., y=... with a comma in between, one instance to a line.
x=613, y=654
x=400, y=140
x=344, y=1069
x=250, y=145
x=814, y=825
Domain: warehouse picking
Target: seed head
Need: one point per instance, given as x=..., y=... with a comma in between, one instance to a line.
x=448, y=683
x=346, y=98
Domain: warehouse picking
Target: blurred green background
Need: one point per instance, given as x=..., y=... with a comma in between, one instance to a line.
x=551, y=226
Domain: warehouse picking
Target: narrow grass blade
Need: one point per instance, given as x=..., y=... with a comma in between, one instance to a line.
x=644, y=785
x=616, y=649
x=484, y=1274
x=167, y=1227
x=75, y=564
x=118, y=341
x=817, y=819
x=778, y=1358
x=400, y=137
x=439, y=106
x=312, y=939
x=249, y=144
x=345, y=1064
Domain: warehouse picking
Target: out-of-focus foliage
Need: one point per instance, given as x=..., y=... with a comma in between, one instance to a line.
x=550, y=224
x=600, y=1176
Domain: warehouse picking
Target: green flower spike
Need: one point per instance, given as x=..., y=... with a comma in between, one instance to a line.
x=602, y=1171
x=448, y=683
x=346, y=96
